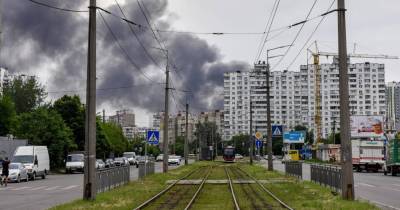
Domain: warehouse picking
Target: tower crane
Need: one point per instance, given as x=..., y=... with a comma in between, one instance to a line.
x=317, y=86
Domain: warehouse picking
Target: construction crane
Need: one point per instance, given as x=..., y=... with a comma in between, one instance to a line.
x=317, y=86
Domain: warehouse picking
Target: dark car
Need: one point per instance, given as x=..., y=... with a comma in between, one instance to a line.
x=109, y=163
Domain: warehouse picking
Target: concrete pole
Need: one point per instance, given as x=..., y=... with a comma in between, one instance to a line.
x=251, y=132
x=347, y=167
x=269, y=131
x=186, y=147
x=89, y=183
x=166, y=142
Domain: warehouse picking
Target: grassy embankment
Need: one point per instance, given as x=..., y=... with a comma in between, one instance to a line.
x=297, y=194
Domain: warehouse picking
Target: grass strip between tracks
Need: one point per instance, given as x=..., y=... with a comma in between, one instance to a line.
x=297, y=194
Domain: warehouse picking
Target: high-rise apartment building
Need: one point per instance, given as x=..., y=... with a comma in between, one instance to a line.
x=292, y=96
x=124, y=118
x=393, y=105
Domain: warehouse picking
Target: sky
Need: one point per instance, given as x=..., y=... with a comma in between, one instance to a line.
x=53, y=45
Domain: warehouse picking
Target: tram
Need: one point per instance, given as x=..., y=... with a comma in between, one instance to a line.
x=229, y=154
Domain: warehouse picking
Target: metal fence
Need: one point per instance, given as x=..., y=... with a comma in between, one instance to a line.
x=294, y=168
x=146, y=169
x=327, y=175
x=110, y=178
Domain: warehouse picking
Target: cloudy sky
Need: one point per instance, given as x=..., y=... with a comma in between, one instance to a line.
x=53, y=45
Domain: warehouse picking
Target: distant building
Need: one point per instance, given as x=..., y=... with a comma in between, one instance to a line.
x=393, y=105
x=216, y=116
x=7, y=78
x=123, y=118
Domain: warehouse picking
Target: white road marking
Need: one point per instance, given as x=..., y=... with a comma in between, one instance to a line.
x=52, y=188
x=365, y=184
x=385, y=205
x=6, y=188
x=69, y=187
x=38, y=188
x=21, y=188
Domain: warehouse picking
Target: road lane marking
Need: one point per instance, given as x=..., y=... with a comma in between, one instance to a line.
x=385, y=205
x=21, y=188
x=52, y=188
x=6, y=188
x=365, y=184
x=38, y=188
x=69, y=187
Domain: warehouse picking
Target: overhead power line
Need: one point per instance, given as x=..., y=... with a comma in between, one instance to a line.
x=55, y=7
x=267, y=28
x=310, y=36
x=302, y=23
x=105, y=89
x=137, y=38
x=123, y=49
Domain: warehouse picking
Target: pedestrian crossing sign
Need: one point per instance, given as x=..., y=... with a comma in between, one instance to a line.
x=153, y=137
x=277, y=130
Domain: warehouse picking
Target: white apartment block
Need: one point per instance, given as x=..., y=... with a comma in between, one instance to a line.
x=216, y=116
x=292, y=95
x=393, y=105
x=124, y=118
x=7, y=78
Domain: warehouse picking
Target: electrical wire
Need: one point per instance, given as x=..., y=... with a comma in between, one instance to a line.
x=310, y=36
x=56, y=8
x=267, y=27
x=137, y=38
x=297, y=35
x=123, y=49
x=105, y=89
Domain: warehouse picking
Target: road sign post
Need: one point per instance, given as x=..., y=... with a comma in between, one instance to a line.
x=153, y=137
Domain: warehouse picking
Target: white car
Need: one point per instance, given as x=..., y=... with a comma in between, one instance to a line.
x=131, y=156
x=17, y=172
x=238, y=156
x=100, y=164
x=173, y=159
x=160, y=157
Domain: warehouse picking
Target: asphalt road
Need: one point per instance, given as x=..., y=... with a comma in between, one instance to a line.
x=55, y=189
x=374, y=187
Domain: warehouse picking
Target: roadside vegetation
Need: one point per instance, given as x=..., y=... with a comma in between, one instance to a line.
x=297, y=194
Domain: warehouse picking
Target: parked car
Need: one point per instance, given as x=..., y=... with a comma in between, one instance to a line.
x=17, y=172
x=35, y=159
x=100, y=164
x=160, y=157
x=131, y=156
x=238, y=156
x=120, y=161
x=109, y=163
x=266, y=157
x=173, y=159
x=75, y=162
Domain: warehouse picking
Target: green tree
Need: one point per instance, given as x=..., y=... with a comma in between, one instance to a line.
x=116, y=140
x=26, y=95
x=7, y=115
x=73, y=113
x=207, y=135
x=46, y=127
x=241, y=143
x=179, y=145
x=333, y=140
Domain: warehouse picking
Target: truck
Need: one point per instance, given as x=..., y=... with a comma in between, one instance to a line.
x=35, y=160
x=392, y=164
x=368, y=154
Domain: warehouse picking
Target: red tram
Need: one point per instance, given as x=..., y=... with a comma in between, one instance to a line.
x=229, y=154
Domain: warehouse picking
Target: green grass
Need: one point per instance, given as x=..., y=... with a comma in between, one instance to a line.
x=297, y=194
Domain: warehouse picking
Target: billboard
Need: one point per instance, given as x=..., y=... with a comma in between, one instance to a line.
x=293, y=137
x=366, y=126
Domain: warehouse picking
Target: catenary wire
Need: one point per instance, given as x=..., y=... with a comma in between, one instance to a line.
x=123, y=49
x=55, y=7
x=267, y=27
x=297, y=35
x=137, y=38
x=311, y=35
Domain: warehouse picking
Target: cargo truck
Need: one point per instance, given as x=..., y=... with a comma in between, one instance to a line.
x=392, y=164
x=368, y=154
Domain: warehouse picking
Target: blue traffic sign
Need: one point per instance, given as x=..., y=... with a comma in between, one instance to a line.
x=258, y=143
x=153, y=137
x=294, y=137
x=277, y=130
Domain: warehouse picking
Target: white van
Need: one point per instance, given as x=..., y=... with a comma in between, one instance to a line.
x=35, y=160
x=131, y=156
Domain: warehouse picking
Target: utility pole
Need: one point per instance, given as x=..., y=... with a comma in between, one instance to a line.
x=269, y=131
x=186, y=147
x=251, y=131
x=347, y=167
x=89, y=180
x=166, y=142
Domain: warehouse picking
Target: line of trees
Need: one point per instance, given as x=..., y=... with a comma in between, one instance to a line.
x=60, y=125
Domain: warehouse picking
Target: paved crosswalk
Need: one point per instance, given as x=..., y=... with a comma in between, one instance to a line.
x=42, y=188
